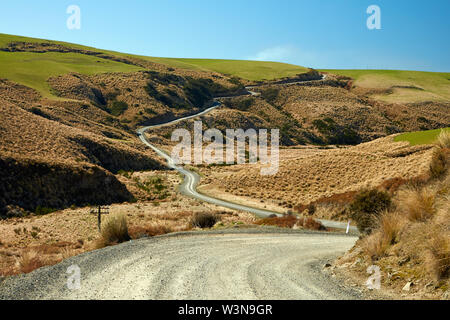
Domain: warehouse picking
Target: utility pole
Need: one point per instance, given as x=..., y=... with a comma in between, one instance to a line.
x=99, y=211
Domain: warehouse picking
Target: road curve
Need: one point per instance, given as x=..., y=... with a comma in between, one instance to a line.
x=192, y=179
x=235, y=265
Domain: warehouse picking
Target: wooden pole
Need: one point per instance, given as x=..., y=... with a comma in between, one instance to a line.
x=99, y=219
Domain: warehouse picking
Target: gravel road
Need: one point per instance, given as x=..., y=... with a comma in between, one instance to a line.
x=237, y=264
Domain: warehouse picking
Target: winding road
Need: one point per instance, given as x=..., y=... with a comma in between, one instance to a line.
x=192, y=179
x=259, y=263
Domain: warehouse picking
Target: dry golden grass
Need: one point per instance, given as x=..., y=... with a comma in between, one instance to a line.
x=417, y=204
x=437, y=255
x=29, y=261
x=292, y=221
x=412, y=241
x=114, y=230
x=307, y=175
x=66, y=233
x=390, y=225
x=443, y=139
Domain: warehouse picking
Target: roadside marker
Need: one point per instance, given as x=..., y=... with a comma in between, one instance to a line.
x=348, y=227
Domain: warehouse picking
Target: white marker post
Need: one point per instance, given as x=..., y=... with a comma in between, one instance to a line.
x=348, y=227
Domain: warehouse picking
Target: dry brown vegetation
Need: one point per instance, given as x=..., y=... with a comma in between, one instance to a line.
x=326, y=178
x=114, y=231
x=411, y=242
x=67, y=233
x=292, y=222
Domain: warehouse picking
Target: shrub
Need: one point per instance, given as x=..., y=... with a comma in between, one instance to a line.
x=115, y=230
x=312, y=224
x=367, y=206
x=118, y=108
x=311, y=208
x=198, y=91
x=336, y=134
x=204, y=220
x=270, y=95
x=42, y=211
x=37, y=111
x=286, y=221
x=245, y=104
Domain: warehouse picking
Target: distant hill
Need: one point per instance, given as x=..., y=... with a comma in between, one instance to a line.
x=19, y=63
x=400, y=86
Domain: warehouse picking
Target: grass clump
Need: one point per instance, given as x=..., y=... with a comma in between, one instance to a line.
x=151, y=230
x=29, y=261
x=443, y=139
x=290, y=221
x=204, y=220
x=367, y=206
x=417, y=204
x=115, y=230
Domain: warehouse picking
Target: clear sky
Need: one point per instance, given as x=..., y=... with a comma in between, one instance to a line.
x=415, y=35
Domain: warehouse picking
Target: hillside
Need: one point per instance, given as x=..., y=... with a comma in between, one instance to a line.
x=58, y=58
x=248, y=70
x=85, y=104
x=400, y=86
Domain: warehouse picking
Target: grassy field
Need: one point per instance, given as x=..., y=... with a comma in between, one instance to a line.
x=420, y=137
x=33, y=69
x=406, y=86
x=250, y=70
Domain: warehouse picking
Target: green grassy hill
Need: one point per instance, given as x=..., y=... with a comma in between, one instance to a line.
x=406, y=86
x=250, y=70
x=420, y=137
x=33, y=69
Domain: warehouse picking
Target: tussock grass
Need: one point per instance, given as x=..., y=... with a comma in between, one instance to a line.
x=443, y=139
x=151, y=230
x=114, y=230
x=204, y=220
x=416, y=230
x=29, y=261
x=390, y=226
x=417, y=205
x=437, y=258
x=291, y=221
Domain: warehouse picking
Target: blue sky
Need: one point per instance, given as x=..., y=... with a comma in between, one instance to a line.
x=313, y=33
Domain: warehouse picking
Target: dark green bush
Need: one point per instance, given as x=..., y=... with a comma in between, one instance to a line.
x=205, y=220
x=118, y=108
x=336, y=134
x=270, y=95
x=367, y=206
x=37, y=111
x=42, y=211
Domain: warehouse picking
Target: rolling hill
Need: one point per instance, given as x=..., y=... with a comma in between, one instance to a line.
x=400, y=86
x=20, y=63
